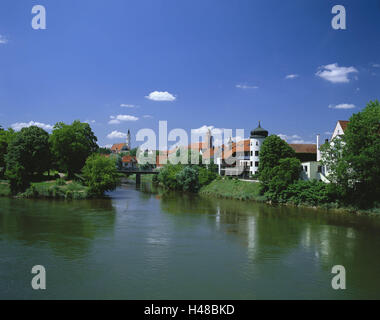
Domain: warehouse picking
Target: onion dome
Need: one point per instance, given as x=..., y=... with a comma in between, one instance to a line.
x=259, y=132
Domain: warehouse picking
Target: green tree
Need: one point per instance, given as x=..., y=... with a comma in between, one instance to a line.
x=100, y=174
x=71, y=145
x=272, y=151
x=5, y=138
x=187, y=179
x=28, y=155
x=168, y=176
x=361, y=157
x=282, y=176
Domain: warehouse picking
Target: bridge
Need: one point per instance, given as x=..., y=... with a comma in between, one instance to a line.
x=137, y=172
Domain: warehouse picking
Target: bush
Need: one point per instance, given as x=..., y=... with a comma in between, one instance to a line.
x=100, y=174
x=168, y=176
x=206, y=176
x=60, y=182
x=187, y=179
x=309, y=193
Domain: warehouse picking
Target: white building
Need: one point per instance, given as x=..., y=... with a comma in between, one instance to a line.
x=256, y=140
x=314, y=169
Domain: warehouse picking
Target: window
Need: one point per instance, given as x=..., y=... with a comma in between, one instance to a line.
x=251, y=163
x=251, y=153
x=256, y=164
x=256, y=153
x=319, y=169
x=257, y=143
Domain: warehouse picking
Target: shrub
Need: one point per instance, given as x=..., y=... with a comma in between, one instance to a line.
x=100, y=174
x=187, y=179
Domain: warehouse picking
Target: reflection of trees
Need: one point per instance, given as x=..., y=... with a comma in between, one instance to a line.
x=67, y=227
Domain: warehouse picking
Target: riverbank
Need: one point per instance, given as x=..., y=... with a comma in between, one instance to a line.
x=56, y=189
x=244, y=190
x=233, y=189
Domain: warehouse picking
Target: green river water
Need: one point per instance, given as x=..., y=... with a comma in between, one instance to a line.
x=143, y=245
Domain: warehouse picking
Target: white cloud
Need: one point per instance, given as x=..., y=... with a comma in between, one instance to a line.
x=117, y=135
x=328, y=133
x=342, y=106
x=122, y=117
x=294, y=139
x=108, y=146
x=376, y=65
x=286, y=137
x=19, y=125
x=301, y=141
x=160, y=96
x=90, y=121
x=147, y=116
x=128, y=106
x=245, y=86
x=335, y=74
x=204, y=129
x=3, y=40
x=292, y=76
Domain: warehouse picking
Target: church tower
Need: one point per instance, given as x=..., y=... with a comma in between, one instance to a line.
x=129, y=140
x=209, y=139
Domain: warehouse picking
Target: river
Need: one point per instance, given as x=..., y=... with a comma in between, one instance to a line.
x=140, y=244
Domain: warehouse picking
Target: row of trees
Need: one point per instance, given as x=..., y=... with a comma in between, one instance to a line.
x=352, y=160
x=187, y=177
x=26, y=155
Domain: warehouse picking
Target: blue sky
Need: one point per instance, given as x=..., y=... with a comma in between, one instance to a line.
x=222, y=63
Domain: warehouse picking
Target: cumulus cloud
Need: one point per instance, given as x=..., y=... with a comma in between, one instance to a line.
x=90, y=121
x=121, y=118
x=294, y=139
x=117, y=135
x=245, y=86
x=204, y=129
x=335, y=74
x=19, y=125
x=3, y=40
x=292, y=76
x=128, y=106
x=161, y=96
x=342, y=106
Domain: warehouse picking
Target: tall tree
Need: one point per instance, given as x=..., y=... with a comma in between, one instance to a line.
x=28, y=155
x=272, y=151
x=71, y=145
x=362, y=153
x=5, y=138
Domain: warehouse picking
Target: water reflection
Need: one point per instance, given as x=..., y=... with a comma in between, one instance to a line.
x=68, y=228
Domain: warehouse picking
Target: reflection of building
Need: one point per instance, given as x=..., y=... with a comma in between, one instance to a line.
x=121, y=147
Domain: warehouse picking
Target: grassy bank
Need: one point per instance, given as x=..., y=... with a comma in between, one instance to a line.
x=233, y=189
x=58, y=189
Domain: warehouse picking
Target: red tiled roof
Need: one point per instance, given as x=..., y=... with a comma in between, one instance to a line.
x=128, y=159
x=118, y=146
x=304, y=148
x=343, y=124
